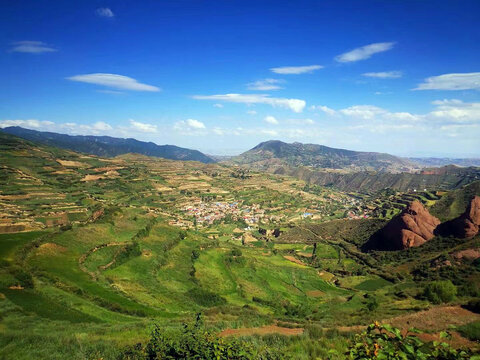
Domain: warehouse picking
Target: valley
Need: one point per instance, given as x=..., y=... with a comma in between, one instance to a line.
x=96, y=250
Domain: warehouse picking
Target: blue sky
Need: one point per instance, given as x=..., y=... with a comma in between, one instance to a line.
x=220, y=76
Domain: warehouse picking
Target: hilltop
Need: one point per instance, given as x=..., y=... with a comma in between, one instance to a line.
x=275, y=152
x=108, y=146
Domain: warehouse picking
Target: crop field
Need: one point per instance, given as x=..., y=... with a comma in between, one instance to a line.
x=94, y=252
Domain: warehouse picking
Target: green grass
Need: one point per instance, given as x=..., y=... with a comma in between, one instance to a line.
x=11, y=243
x=471, y=331
x=373, y=284
x=33, y=302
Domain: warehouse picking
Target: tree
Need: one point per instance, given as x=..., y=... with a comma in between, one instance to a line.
x=441, y=291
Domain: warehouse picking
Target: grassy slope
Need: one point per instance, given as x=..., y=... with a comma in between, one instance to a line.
x=77, y=309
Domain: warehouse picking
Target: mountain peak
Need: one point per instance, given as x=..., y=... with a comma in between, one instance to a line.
x=319, y=156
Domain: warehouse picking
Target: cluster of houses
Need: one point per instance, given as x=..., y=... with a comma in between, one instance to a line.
x=207, y=213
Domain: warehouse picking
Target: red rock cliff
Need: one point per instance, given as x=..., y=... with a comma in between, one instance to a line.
x=413, y=227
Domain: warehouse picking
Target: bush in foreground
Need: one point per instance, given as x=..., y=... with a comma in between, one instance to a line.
x=195, y=343
x=387, y=342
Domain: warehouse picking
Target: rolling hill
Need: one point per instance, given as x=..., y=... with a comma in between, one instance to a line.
x=116, y=247
x=108, y=146
x=276, y=152
x=348, y=170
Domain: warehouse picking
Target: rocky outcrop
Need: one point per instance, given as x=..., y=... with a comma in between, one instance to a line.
x=413, y=227
x=466, y=225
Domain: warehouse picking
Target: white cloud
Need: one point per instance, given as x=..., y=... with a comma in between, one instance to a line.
x=69, y=127
x=459, y=81
x=218, y=105
x=300, y=121
x=271, y=120
x=456, y=111
x=365, y=112
x=142, y=127
x=32, y=47
x=190, y=127
x=265, y=85
x=295, y=105
x=218, y=131
x=30, y=123
x=251, y=112
x=114, y=81
x=269, y=132
x=102, y=126
x=105, y=12
x=364, y=52
x=447, y=102
x=325, y=109
x=195, y=124
x=289, y=70
x=384, y=74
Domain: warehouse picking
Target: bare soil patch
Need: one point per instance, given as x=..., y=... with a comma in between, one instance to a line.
x=437, y=318
x=469, y=254
x=264, y=330
x=16, y=287
x=315, y=293
x=70, y=163
x=293, y=259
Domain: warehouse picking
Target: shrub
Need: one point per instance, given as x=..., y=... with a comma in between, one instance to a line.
x=372, y=304
x=24, y=278
x=195, y=254
x=387, y=342
x=471, y=331
x=205, y=298
x=194, y=342
x=236, y=252
x=438, y=292
x=473, y=305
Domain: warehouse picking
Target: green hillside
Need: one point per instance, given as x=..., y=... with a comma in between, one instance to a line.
x=95, y=251
x=318, y=156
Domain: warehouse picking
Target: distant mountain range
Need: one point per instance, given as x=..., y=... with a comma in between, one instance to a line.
x=108, y=146
x=431, y=162
x=275, y=153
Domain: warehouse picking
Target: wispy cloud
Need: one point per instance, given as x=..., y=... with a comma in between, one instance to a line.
x=218, y=106
x=384, y=74
x=70, y=127
x=456, y=111
x=271, y=120
x=105, y=12
x=323, y=108
x=289, y=70
x=32, y=47
x=190, y=127
x=29, y=123
x=364, y=52
x=265, y=84
x=101, y=126
x=455, y=81
x=142, y=127
x=114, y=81
x=251, y=112
x=295, y=105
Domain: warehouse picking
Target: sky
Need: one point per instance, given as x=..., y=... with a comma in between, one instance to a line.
x=394, y=76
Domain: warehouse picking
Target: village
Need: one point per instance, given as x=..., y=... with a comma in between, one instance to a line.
x=206, y=213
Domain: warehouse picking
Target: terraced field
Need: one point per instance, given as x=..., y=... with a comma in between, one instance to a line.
x=94, y=252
